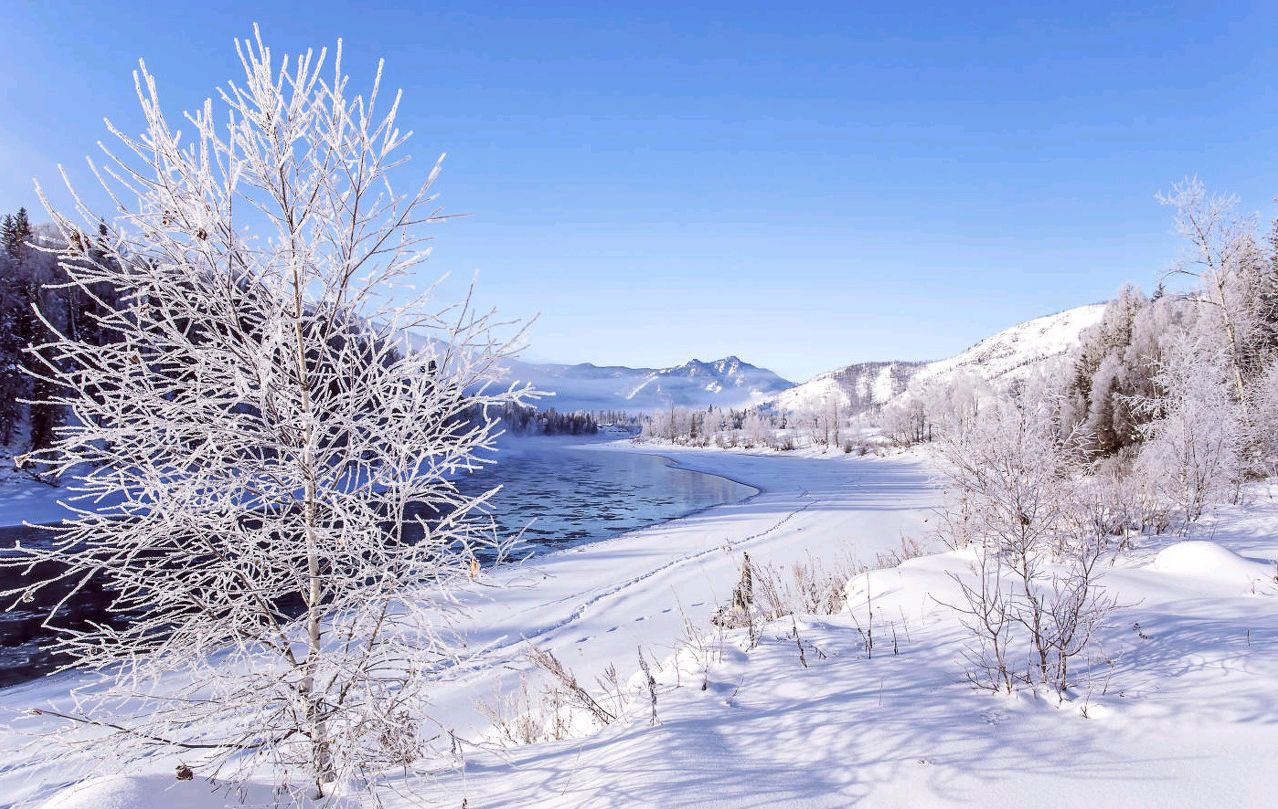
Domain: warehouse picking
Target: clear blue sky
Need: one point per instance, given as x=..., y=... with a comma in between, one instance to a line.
x=803, y=185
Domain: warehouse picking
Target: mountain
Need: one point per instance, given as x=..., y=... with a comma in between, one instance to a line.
x=1011, y=354
x=858, y=387
x=1016, y=352
x=729, y=382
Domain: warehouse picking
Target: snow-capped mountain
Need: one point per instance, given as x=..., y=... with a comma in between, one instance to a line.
x=1011, y=354
x=728, y=382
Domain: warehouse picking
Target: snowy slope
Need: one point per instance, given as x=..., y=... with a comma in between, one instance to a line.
x=1177, y=714
x=728, y=382
x=1010, y=354
x=859, y=387
x=1015, y=352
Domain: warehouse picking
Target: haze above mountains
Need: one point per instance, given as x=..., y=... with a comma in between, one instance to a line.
x=732, y=382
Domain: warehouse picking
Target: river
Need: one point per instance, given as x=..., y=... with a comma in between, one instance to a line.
x=558, y=493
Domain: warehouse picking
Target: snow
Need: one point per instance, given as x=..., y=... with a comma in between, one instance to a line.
x=1011, y=354
x=1014, y=352
x=1177, y=712
x=23, y=499
x=596, y=605
x=126, y=792
x=1208, y=560
x=1177, y=715
x=860, y=386
x=727, y=382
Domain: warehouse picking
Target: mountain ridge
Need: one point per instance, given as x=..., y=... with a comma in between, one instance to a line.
x=725, y=382
x=1008, y=354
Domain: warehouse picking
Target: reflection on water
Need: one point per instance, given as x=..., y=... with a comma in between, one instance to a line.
x=559, y=496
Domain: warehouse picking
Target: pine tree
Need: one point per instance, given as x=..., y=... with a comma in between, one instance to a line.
x=16, y=231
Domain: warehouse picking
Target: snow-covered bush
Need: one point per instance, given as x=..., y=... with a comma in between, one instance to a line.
x=1015, y=490
x=269, y=498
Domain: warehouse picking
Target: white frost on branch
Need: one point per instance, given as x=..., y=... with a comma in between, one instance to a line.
x=288, y=541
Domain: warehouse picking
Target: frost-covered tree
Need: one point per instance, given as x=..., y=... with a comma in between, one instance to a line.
x=1117, y=363
x=757, y=431
x=1224, y=258
x=931, y=406
x=905, y=419
x=1017, y=497
x=1264, y=410
x=1195, y=441
x=266, y=456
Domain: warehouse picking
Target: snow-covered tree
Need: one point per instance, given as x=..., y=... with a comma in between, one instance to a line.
x=1223, y=256
x=1264, y=411
x=757, y=431
x=1017, y=497
x=1194, y=443
x=266, y=455
x=905, y=419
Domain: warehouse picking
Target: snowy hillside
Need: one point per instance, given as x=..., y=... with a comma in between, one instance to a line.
x=1014, y=352
x=858, y=387
x=728, y=382
x=1010, y=354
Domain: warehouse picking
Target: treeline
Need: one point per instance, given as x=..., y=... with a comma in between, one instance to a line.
x=526, y=420
x=823, y=424
x=31, y=279
x=702, y=427
x=1171, y=397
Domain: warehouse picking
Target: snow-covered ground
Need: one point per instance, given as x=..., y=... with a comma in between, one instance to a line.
x=1180, y=710
x=596, y=605
x=24, y=499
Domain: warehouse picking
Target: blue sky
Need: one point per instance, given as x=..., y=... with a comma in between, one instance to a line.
x=804, y=185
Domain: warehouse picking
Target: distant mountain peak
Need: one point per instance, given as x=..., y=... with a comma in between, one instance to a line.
x=726, y=382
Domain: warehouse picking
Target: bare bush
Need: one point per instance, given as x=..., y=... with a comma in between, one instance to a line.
x=987, y=616
x=521, y=718
x=1037, y=539
x=908, y=548
x=804, y=587
x=581, y=698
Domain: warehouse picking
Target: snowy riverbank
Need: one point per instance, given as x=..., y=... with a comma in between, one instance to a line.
x=595, y=605
x=1179, y=712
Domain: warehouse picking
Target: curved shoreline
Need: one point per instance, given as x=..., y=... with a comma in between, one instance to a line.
x=672, y=463
x=593, y=605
